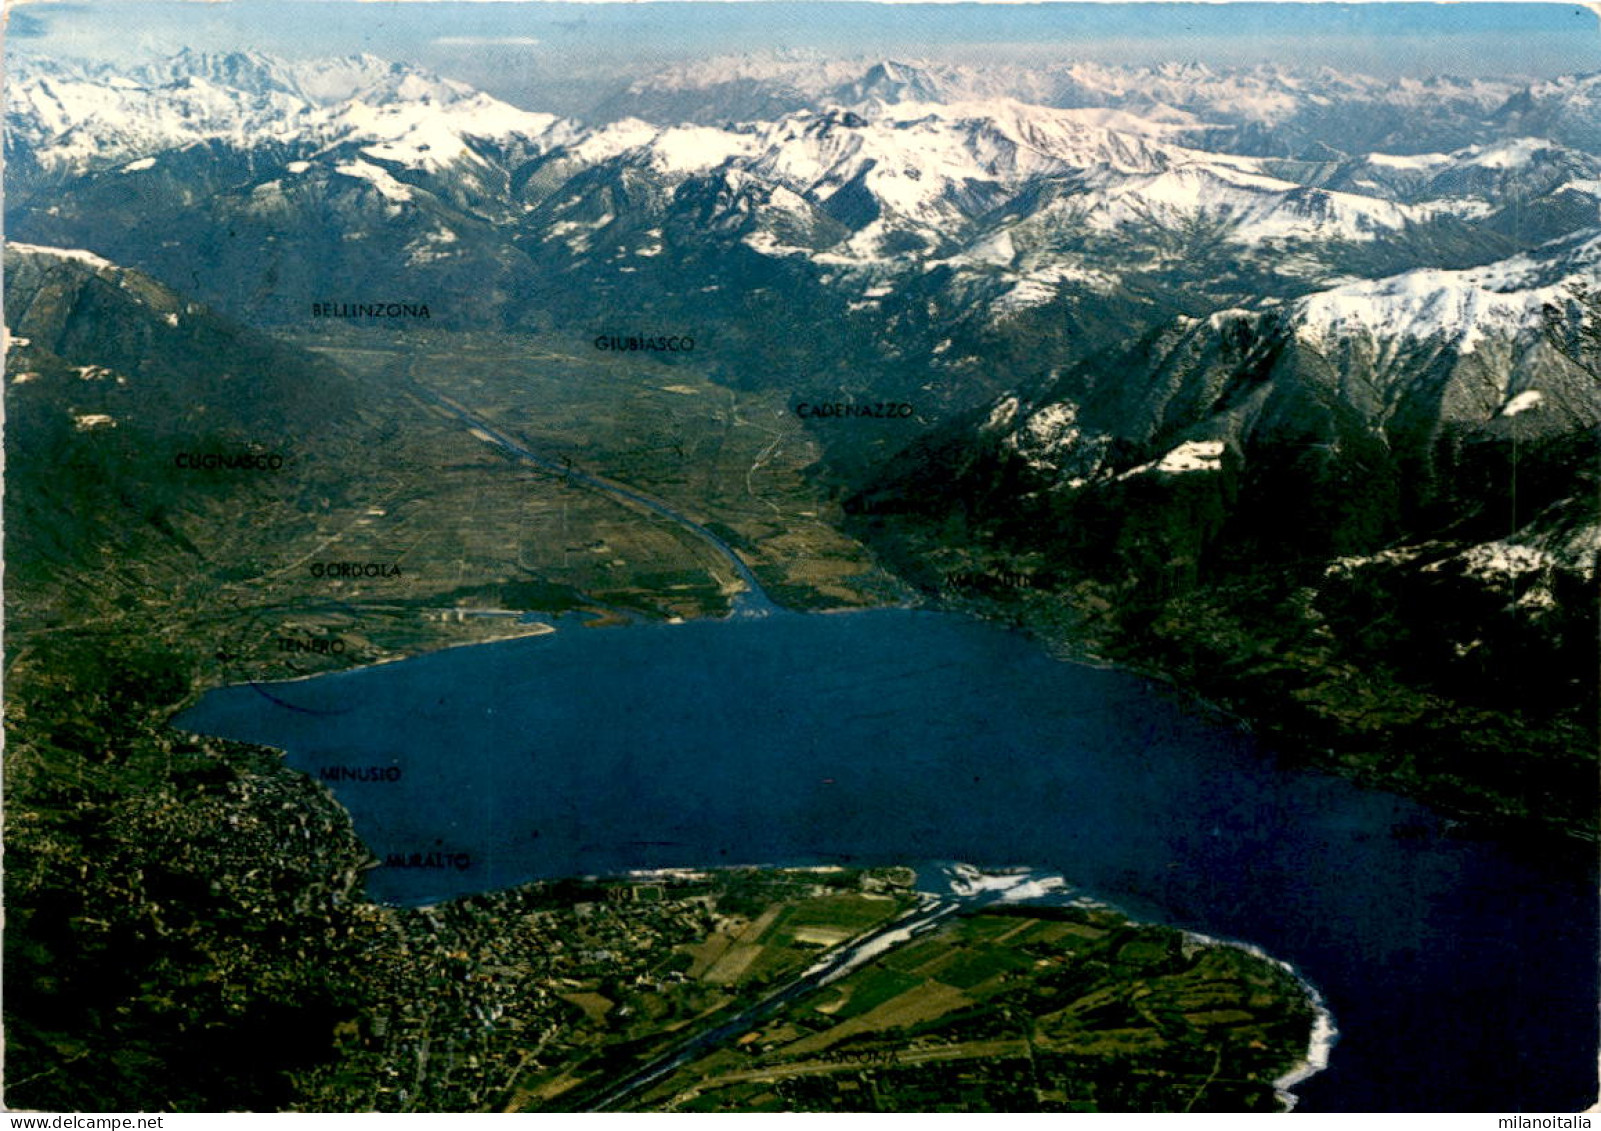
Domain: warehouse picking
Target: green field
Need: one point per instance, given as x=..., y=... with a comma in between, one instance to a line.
x=1052, y=1010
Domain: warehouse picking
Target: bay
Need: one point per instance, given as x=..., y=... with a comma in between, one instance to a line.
x=1461, y=971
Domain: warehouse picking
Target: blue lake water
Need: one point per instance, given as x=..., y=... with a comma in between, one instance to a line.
x=1462, y=972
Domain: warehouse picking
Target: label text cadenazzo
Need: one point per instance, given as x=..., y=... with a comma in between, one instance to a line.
x=840, y=410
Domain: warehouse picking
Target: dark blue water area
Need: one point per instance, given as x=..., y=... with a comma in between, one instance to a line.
x=1461, y=972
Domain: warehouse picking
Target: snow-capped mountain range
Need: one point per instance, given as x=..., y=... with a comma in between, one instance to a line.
x=931, y=167
x=82, y=118
x=1266, y=109
x=935, y=163
x=934, y=210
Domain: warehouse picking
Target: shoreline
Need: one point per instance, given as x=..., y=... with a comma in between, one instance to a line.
x=967, y=890
x=1324, y=1036
x=1051, y=885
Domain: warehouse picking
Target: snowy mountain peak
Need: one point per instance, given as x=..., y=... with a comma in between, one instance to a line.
x=321, y=81
x=248, y=71
x=890, y=82
x=1457, y=308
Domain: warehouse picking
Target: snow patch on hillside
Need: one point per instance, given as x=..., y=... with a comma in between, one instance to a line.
x=378, y=178
x=1523, y=402
x=1192, y=455
x=1421, y=162
x=1504, y=559
x=1050, y=431
x=1051, y=440
x=1512, y=154
x=76, y=254
x=692, y=149
x=1457, y=307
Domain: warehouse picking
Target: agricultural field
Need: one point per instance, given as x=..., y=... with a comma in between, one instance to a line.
x=1018, y=1009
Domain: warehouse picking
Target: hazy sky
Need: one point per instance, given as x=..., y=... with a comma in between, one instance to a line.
x=535, y=54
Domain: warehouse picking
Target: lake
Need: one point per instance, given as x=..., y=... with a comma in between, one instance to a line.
x=1461, y=971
